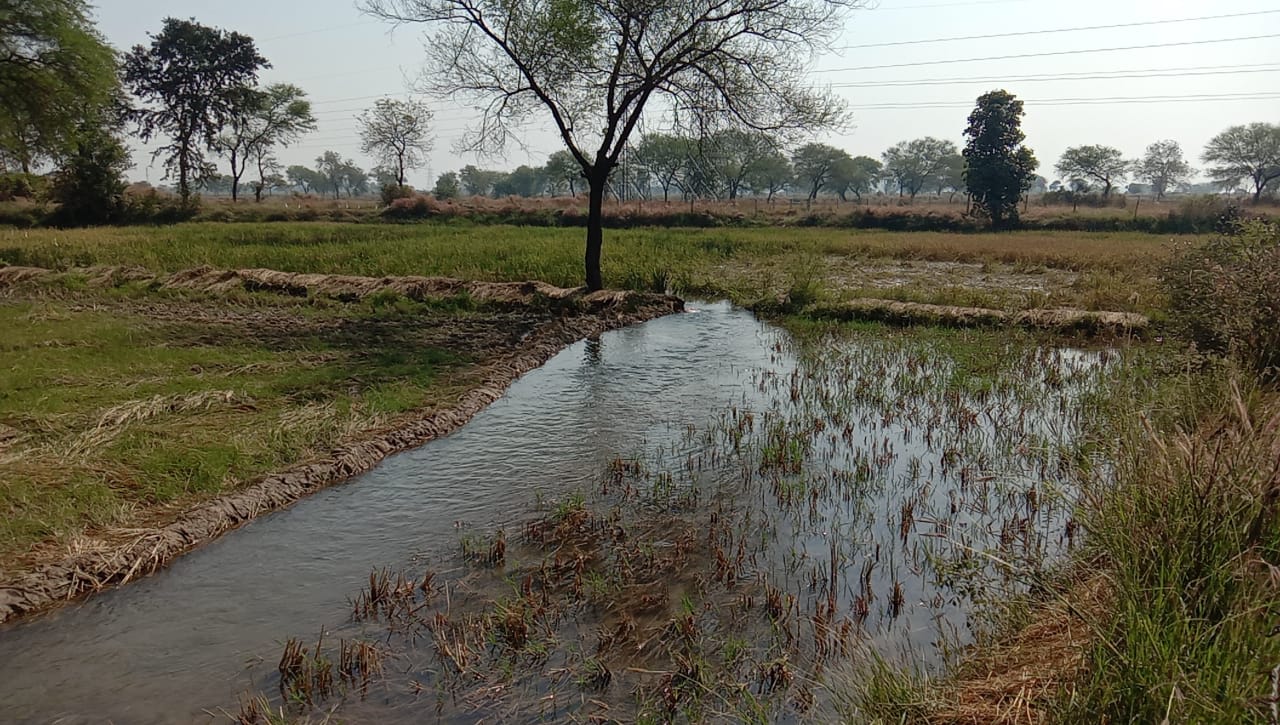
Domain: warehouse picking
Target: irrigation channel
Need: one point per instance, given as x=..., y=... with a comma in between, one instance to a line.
x=699, y=517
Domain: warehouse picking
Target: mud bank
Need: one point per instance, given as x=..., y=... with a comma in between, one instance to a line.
x=119, y=556
x=1061, y=320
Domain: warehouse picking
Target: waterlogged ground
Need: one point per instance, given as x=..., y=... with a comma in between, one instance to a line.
x=859, y=496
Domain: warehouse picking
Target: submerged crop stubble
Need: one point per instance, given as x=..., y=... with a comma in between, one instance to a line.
x=870, y=496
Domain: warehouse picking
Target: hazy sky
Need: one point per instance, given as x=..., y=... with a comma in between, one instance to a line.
x=345, y=60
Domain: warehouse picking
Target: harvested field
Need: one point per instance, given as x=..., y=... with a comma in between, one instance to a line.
x=1019, y=270
x=141, y=416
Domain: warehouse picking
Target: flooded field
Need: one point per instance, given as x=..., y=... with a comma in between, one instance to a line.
x=703, y=517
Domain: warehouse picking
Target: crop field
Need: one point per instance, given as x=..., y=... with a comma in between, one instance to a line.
x=1016, y=270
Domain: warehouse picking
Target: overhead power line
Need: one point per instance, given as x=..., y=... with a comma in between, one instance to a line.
x=301, y=33
x=1049, y=53
x=1119, y=73
x=1081, y=76
x=1057, y=30
x=1083, y=101
x=348, y=26
x=389, y=94
x=965, y=3
x=315, y=142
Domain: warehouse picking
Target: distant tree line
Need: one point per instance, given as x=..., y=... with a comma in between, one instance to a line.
x=731, y=164
x=70, y=102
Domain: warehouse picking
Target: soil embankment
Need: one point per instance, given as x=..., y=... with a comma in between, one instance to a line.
x=111, y=557
x=1057, y=320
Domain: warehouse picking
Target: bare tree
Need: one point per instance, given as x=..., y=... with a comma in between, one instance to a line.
x=595, y=68
x=396, y=133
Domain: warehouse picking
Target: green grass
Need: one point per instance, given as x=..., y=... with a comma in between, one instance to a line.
x=1191, y=533
x=119, y=403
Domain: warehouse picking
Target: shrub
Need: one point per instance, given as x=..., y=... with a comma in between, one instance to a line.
x=22, y=186
x=1082, y=198
x=1225, y=295
x=418, y=206
x=144, y=204
x=89, y=187
x=22, y=215
x=1207, y=213
x=391, y=192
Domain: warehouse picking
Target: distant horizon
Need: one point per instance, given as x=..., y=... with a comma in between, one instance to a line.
x=897, y=87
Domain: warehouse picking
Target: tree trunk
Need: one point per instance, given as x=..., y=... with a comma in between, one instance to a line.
x=235, y=175
x=595, y=229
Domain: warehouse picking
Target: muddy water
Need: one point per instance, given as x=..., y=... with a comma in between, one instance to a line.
x=191, y=635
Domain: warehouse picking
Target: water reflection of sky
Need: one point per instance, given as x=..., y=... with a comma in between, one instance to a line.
x=198, y=633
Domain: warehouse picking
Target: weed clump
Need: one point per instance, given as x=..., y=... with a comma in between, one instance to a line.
x=1192, y=536
x=1224, y=296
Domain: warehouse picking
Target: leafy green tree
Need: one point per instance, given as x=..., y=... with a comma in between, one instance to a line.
x=665, y=157
x=269, y=183
x=215, y=183
x=397, y=133
x=383, y=177
x=194, y=80
x=563, y=171
x=914, y=164
x=355, y=180
x=308, y=180
x=729, y=154
x=1103, y=164
x=858, y=175
x=57, y=75
x=524, y=181
x=950, y=177
x=998, y=168
x=815, y=164
x=1241, y=152
x=479, y=182
x=338, y=175
x=1163, y=167
x=630, y=180
x=595, y=67
x=699, y=179
x=446, y=186
x=269, y=176
x=277, y=115
x=769, y=173
x=89, y=184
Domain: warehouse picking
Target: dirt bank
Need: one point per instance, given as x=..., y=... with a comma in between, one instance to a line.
x=118, y=556
x=1061, y=320
x=1020, y=678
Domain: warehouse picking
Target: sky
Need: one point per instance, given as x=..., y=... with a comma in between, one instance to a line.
x=1210, y=72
